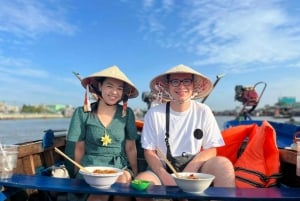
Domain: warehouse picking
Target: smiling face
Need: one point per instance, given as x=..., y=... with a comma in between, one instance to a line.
x=181, y=86
x=111, y=90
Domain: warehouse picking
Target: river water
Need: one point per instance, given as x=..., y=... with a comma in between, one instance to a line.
x=19, y=131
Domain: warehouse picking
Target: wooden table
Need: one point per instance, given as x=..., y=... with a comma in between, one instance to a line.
x=51, y=184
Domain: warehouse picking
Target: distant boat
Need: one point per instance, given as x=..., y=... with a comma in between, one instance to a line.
x=282, y=116
x=282, y=113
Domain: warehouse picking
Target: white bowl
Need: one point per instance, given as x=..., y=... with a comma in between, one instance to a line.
x=198, y=184
x=101, y=180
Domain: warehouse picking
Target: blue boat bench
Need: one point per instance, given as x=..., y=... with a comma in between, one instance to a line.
x=51, y=184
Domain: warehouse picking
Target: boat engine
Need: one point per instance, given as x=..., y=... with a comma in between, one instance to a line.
x=247, y=95
x=249, y=98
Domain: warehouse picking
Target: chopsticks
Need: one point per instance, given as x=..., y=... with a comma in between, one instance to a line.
x=72, y=161
x=167, y=162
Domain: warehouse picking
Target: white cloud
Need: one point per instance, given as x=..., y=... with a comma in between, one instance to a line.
x=20, y=23
x=236, y=34
x=148, y=3
x=19, y=67
x=31, y=18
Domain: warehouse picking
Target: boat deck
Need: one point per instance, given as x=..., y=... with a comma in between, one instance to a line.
x=52, y=184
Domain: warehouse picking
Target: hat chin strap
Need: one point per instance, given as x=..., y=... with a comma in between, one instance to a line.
x=181, y=102
x=107, y=103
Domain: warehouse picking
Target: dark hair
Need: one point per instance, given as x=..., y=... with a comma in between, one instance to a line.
x=94, y=106
x=168, y=78
x=101, y=79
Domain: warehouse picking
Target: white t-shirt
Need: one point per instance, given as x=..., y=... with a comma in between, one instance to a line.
x=182, y=126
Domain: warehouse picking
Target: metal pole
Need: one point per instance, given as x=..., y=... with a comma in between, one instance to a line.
x=215, y=83
x=80, y=79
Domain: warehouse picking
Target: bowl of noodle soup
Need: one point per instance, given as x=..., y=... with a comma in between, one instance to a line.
x=192, y=182
x=101, y=176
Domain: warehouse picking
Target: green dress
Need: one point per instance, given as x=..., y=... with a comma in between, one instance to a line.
x=85, y=126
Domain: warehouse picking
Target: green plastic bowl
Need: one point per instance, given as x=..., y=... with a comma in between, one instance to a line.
x=140, y=185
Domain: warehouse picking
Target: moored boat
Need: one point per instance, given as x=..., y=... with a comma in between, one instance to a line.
x=38, y=156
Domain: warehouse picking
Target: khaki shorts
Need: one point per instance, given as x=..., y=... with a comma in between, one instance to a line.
x=154, y=175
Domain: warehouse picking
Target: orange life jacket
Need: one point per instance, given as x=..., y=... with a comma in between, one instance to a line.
x=259, y=164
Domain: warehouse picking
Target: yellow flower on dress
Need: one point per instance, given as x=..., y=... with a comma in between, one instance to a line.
x=105, y=140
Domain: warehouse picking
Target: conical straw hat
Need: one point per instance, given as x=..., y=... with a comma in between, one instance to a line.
x=202, y=84
x=112, y=72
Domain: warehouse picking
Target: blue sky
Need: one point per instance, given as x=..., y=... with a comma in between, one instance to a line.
x=42, y=42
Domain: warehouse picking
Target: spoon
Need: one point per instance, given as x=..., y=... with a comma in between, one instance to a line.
x=72, y=161
x=167, y=162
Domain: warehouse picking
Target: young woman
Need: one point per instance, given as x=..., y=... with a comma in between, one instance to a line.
x=104, y=133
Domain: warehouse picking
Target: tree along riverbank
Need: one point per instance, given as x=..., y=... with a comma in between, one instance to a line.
x=30, y=116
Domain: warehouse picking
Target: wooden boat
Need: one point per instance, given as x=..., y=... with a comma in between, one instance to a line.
x=34, y=157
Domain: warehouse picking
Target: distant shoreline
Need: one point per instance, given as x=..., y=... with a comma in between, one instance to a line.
x=7, y=116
